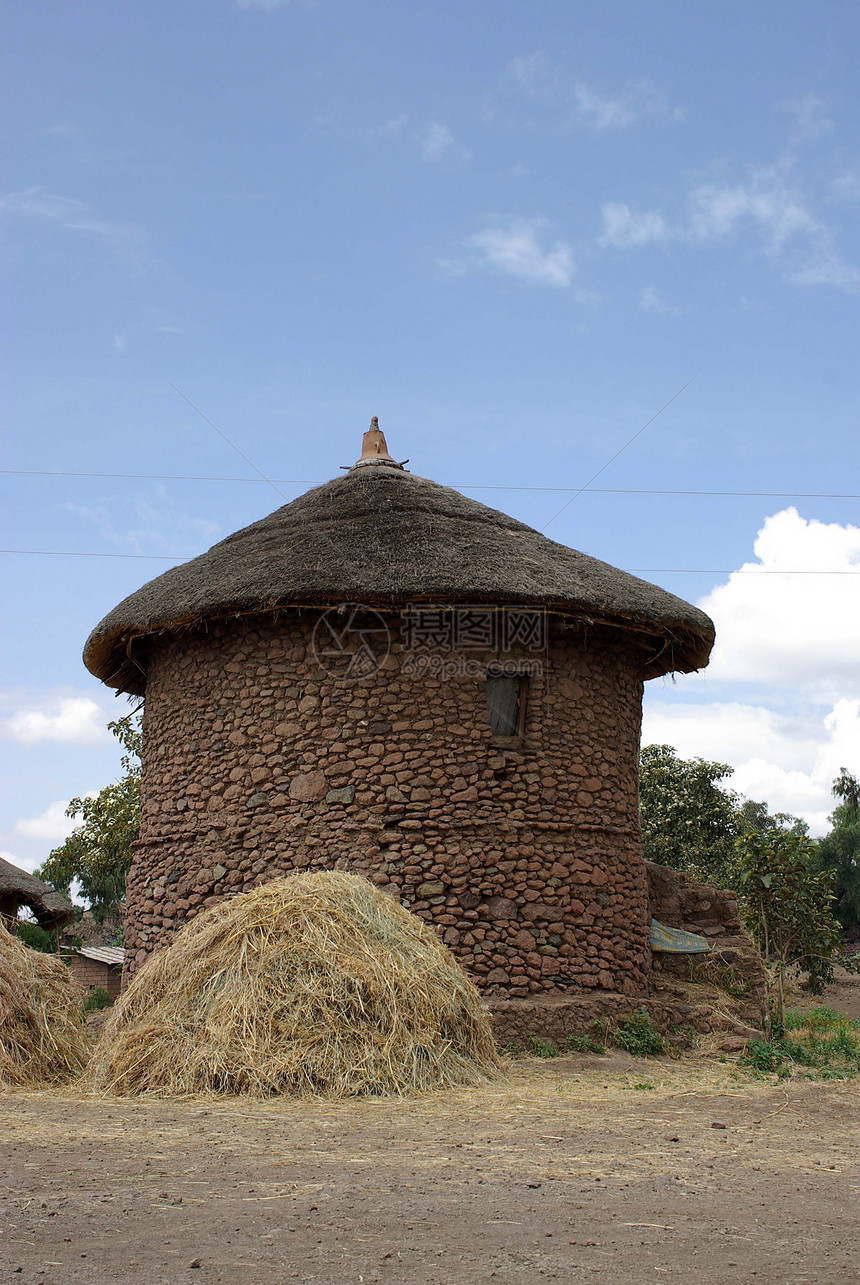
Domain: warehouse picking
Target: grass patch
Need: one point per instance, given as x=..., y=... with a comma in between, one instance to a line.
x=542, y=1048
x=638, y=1035
x=821, y=1043
x=97, y=999
x=724, y=976
x=584, y=1044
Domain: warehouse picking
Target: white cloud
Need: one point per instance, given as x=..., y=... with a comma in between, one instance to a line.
x=74, y=720
x=772, y=205
x=40, y=205
x=826, y=267
x=810, y=118
x=64, y=129
x=651, y=300
x=531, y=71
x=147, y=524
x=394, y=125
x=787, y=761
x=516, y=250
x=624, y=227
x=439, y=144
x=52, y=826
x=792, y=630
x=272, y=6
x=792, y=639
x=581, y=104
x=769, y=205
x=636, y=103
x=23, y=863
x=769, y=202
x=341, y=126
x=846, y=186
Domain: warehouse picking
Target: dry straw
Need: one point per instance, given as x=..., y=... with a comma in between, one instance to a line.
x=383, y=537
x=42, y=1039
x=316, y=984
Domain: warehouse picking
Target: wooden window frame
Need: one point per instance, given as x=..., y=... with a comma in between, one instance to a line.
x=513, y=741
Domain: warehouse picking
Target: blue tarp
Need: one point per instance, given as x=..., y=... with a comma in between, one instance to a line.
x=676, y=941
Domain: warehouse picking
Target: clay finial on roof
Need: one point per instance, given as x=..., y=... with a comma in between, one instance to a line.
x=373, y=447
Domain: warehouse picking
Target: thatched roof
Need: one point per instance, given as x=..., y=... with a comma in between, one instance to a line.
x=18, y=888
x=382, y=536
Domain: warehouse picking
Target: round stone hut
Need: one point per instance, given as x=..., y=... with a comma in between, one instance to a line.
x=388, y=677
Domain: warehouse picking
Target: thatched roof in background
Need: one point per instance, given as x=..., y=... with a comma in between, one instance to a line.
x=381, y=536
x=18, y=888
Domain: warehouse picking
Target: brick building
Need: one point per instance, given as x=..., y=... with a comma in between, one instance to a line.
x=95, y=966
x=388, y=677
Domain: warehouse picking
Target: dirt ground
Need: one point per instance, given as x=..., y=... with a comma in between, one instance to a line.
x=607, y=1170
x=843, y=995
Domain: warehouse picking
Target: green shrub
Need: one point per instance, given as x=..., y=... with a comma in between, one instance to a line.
x=584, y=1044
x=724, y=976
x=761, y=1055
x=817, y=1019
x=98, y=998
x=542, y=1048
x=637, y=1034
x=35, y=937
x=825, y=1042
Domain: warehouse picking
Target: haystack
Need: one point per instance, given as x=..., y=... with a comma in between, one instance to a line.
x=42, y=1039
x=316, y=984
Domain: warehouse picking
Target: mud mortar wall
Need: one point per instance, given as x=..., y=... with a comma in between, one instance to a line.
x=678, y=901
x=526, y=860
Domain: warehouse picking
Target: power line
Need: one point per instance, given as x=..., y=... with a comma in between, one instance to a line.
x=638, y=571
x=70, y=553
x=614, y=457
x=462, y=486
x=224, y=436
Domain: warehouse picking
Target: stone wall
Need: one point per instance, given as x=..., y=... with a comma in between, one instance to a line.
x=733, y=964
x=526, y=858
x=678, y=901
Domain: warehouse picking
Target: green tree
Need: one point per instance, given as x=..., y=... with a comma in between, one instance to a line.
x=755, y=816
x=690, y=822
x=839, y=851
x=36, y=937
x=98, y=852
x=786, y=907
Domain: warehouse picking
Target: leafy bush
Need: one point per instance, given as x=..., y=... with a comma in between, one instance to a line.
x=35, y=937
x=690, y=821
x=787, y=908
x=98, y=998
x=637, y=1034
x=98, y=851
x=542, y=1048
x=824, y=1042
x=761, y=1055
x=584, y=1044
x=839, y=851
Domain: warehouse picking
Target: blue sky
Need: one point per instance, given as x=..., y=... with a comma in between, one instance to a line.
x=513, y=231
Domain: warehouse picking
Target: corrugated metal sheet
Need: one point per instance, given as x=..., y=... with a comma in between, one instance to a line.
x=104, y=954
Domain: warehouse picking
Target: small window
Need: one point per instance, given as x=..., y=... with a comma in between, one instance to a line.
x=506, y=703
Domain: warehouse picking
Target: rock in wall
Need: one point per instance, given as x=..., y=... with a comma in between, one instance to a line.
x=524, y=855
